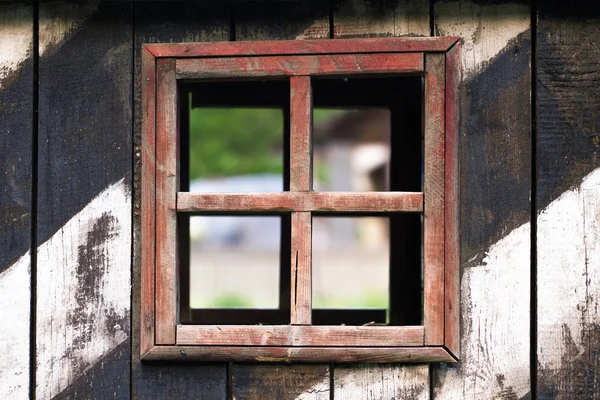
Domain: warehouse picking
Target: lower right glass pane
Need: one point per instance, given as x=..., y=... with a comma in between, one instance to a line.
x=358, y=278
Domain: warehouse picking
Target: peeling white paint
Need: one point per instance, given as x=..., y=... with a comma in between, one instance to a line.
x=75, y=332
x=16, y=37
x=495, y=334
x=381, y=382
x=569, y=272
x=14, y=330
x=319, y=391
x=485, y=30
x=60, y=19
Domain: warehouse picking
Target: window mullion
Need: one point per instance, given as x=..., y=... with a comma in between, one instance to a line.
x=301, y=181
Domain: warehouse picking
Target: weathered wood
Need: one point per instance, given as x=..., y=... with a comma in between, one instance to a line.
x=148, y=150
x=257, y=382
x=16, y=134
x=335, y=64
x=372, y=202
x=568, y=201
x=451, y=206
x=286, y=47
x=301, y=269
x=363, y=18
x=84, y=200
x=295, y=354
x=301, y=134
x=165, y=204
x=371, y=382
x=495, y=189
x=169, y=22
x=305, y=336
x=433, y=187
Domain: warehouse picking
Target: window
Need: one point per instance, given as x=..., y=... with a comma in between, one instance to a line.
x=410, y=82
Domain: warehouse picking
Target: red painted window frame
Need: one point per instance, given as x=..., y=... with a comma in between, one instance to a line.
x=161, y=338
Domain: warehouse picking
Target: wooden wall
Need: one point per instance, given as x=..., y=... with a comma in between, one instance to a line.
x=70, y=201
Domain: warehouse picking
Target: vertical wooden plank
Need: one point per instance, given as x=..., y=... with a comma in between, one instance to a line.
x=451, y=253
x=16, y=133
x=300, y=133
x=494, y=191
x=433, y=188
x=301, y=276
x=148, y=232
x=273, y=21
x=371, y=382
x=183, y=21
x=568, y=205
x=166, y=191
x=257, y=382
x=364, y=18
x=84, y=200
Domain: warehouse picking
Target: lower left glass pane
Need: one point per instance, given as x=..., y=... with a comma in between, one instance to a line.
x=234, y=262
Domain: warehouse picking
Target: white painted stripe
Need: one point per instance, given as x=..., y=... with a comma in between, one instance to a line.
x=485, y=30
x=83, y=288
x=16, y=35
x=14, y=330
x=61, y=19
x=568, y=273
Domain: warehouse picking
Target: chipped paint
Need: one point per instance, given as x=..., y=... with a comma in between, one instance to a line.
x=381, y=382
x=486, y=30
x=495, y=333
x=14, y=331
x=16, y=36
x=61, y=19
x=83, y=293
x=569, y=274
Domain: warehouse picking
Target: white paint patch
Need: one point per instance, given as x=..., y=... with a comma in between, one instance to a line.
x=83, y=288
x=14, y=330
x=16, y=37
x=495, y=333
x=485, y=30
x=381, y=382
x=60, y=19
x=319, y=391
x=569, y=273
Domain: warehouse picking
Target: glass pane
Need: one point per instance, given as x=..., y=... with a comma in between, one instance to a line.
x=351, y=150
x=350, y=262
x=234, y=261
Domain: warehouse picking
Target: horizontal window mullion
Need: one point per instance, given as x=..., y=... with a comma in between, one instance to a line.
x=369, y=202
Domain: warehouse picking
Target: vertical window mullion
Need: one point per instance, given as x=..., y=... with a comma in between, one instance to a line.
x=434, y=231
x=301, y=127
x=166, y=192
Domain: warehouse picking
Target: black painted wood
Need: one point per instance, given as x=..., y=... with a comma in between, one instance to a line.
x=568, y=92
x=85, y=126
x=170, y=22
x=16, y=113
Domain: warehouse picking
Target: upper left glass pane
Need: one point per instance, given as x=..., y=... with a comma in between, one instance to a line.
x=237, y=134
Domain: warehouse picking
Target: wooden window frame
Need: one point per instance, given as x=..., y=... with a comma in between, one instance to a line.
x=162, y=338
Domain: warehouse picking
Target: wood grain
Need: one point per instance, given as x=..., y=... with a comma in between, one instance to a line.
x=301, y=272
x=290, y=47
x=285, y=382
x=372, y=202
x=371, y=382
x=433, y=216
x=273, y=66
x=451, y=206
x=297, y=354
x=302, y=336
x=301, y=133
x=166, y=189
x=148, y=260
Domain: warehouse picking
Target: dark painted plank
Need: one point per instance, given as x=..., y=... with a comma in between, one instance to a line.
x=568, y=205
x=257, y=382
x=85, y=124
x=16, y=113
x=157, y=22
